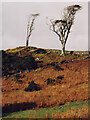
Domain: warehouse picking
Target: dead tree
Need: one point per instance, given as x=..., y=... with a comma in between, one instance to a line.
x=62, y=27
x=30, y=25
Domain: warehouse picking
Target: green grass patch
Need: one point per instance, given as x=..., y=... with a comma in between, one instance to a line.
x=41, y=113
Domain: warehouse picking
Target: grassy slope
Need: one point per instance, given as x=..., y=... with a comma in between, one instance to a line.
x=74, y=86
x=77, y=109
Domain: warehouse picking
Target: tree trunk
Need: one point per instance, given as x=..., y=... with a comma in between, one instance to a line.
x=63, y=49
x=27, y=41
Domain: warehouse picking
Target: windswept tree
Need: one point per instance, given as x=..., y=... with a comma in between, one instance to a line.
x=30, y=25
x=62, y=27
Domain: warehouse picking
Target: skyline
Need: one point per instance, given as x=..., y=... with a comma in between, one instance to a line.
x=14, y=30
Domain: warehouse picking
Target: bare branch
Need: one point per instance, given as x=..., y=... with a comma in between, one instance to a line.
x=30, y=25
x=62, y=27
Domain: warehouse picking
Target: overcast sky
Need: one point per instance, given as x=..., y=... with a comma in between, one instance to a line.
x=14, y=22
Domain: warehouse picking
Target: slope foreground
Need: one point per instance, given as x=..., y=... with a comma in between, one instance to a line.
x=38, y=79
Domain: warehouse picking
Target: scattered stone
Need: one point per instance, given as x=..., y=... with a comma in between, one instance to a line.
x=37, y=58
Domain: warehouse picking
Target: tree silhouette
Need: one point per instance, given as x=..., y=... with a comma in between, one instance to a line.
x=62, y=27
x=30, y=25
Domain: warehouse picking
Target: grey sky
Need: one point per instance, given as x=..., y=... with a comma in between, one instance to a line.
x=14, y=22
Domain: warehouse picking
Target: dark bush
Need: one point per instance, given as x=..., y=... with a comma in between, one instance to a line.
x=16, y=63
x=32, y=87
x=87, y=58
x=64, y=61
x=60, y=77
x=27, y=62
x=71, y=52
x=58, y=68
x=39, y=64
x=49, y=81
x=75, y=69
x=17, y=76
x=75, y=55
x=42, y=51
x=5, y=72
x=51, y=64
x=53, y=82
x=19, y=81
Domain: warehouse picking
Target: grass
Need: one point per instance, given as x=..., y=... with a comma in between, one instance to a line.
x=77, y=107
x=71, y=75
x=14, y=50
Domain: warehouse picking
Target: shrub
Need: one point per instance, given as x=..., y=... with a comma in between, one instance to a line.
x=51, y=64
x=64, y=61
x=39, y=64
x=49, y=81
x=58, y=68
x=75, y=69
x=40, y=51
x=19, y=81
x=17, y=76
x=71, y=52
x=16, y=63
x=59, y=78
x=23, y=75
x=32, y=87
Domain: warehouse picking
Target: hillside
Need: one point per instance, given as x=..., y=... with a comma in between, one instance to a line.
x=35, y=78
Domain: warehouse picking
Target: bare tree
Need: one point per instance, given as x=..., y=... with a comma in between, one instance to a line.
x=30, y=25
x=62, y=27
